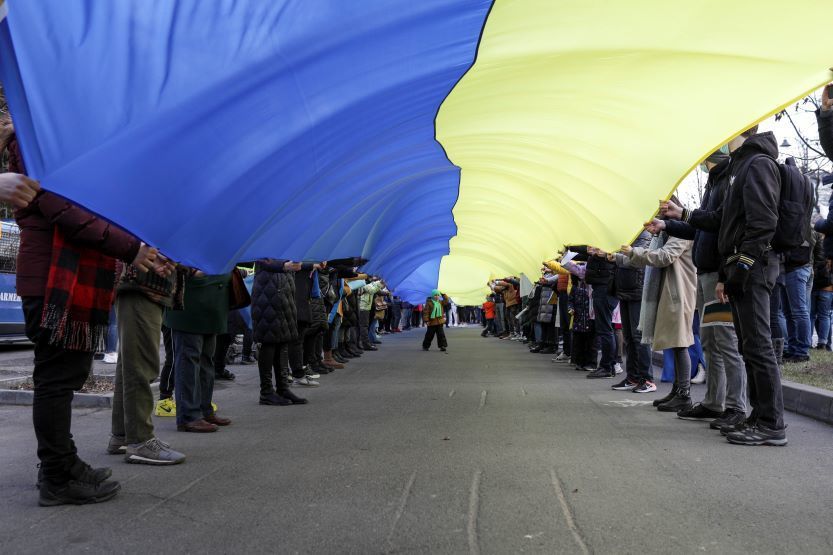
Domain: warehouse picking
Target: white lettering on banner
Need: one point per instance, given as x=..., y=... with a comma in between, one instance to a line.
x=9, y=298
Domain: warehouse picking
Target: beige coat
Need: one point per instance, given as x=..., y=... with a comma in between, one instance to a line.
x=678, y=294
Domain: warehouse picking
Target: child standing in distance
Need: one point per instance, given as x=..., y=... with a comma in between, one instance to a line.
x=489, y=315
x=433, y=314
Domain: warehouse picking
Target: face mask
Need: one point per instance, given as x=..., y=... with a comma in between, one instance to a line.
x=704, y=168
x=724, y=149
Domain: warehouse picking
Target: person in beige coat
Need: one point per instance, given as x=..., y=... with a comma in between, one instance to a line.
x=669, y=298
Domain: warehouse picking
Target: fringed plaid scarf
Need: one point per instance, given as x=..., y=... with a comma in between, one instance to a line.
x=79, y=294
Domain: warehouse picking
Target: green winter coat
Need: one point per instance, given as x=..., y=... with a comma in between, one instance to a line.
x=206, y=306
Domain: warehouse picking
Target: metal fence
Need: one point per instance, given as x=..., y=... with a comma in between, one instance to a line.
x=9, y=245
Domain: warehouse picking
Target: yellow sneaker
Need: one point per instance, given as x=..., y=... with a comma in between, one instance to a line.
x=165, y=407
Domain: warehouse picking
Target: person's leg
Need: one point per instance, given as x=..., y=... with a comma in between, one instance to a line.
x=57, y=374
x=825, y=302
x=796, y=289
x=111, y=345
x=603, y=308
x=499, y=318
x=539, y=332
x=206, y=381
x=265, y=362
x=442, y=343
x=682, y=368
x=224, y=341
x=166, y=376
x=430, y=331
x=716, y=381
x=140, y=324
x=187, y=354
x=248, y=341
x=296, y=352
x=752, y=309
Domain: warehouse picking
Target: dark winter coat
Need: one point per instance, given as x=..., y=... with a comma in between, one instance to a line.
x=821, y=275
x=317, y=308
x=825, y=120
x=546, y=311
x=274, y=316
x=37, y=227
x=704, y=253
x=627, y=281
x=747, y=219
x=599, y=271
x=303, y=286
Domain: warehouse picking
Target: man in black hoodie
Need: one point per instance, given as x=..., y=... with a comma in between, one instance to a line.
x=725, y=401
x=824, y=116
x=746, y=224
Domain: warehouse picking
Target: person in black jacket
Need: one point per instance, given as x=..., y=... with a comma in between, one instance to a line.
x=725, y=401
x=275, y=327
x=746, y=224
x=627, y=287
x=821, y=303
x=824, y=116
x=599, y=274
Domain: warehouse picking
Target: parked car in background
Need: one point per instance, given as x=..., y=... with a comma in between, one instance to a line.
x=12, y=327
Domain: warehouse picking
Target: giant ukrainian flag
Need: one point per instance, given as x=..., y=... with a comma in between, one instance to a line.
x=445, y=140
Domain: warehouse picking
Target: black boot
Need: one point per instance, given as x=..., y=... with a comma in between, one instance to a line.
x=338, y=358
x=671, y=395
x=294, y=399
x=681, y=401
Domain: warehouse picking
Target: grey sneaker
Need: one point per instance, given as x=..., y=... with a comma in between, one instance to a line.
x=116, y=446
x=305, y=381
x=153, y=451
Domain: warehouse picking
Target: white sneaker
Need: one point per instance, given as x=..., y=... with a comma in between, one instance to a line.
x=305, y=381
x=618, y=368
x=701, y=375
x=562, y=357
x=111, y=358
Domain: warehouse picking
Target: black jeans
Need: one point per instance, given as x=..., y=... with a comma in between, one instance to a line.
x=429, y=337
x=637, y=354
x=564, y=322
x=603, y=306
x=751, y=315
x=224, y=341
x=166, y=377
x=58, y=373
x=273, y=356
x=584, y=353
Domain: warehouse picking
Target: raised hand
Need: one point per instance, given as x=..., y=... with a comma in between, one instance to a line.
x=17, y=189
x=146, y=258
x=655, y=226
x=670, y=210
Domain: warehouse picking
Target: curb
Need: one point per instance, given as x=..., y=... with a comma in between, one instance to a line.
x=809, y=401
x=79, y=400
x=806, y=400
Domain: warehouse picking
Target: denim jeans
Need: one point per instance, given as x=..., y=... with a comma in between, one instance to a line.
x=371, y=330
x=500, y=310
x=194, y=371
x=820, y=310
x=799, y=331
x=539, y=332
x=111, y=344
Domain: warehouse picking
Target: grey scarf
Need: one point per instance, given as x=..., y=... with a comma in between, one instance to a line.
x=651, y=292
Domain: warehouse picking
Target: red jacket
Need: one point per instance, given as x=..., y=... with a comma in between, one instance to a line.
x=489, y=309
x=563, y=283
x=37, y=223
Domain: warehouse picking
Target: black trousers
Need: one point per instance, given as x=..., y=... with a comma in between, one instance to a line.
x=584, y=351
x=166, y=377
x=273, y=356
x=751, y=316
x=58, y=374
x=637, y=354
x=223, y=343
x=302, y=350
x=429, y=337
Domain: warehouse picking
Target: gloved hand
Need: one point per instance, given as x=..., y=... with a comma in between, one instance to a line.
x=736, y=276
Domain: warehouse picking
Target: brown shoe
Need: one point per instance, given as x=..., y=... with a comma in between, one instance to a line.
x=330, y=362
x=197, y=426
x=217, y=420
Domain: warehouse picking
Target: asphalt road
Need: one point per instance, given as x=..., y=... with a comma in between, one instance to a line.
x=486, y=449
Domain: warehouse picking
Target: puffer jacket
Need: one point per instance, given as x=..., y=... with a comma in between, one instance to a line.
x=545, y=310
x=317, y=305
x=627, y=280
x=274, y=316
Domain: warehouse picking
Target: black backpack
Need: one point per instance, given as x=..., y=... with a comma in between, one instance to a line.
x=795, y=207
